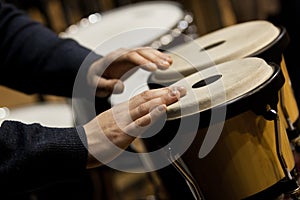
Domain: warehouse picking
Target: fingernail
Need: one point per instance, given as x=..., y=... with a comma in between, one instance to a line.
x=165, y=63
x=181, y=89
x=168, y=58
x=174, y=92
x=178, y=91
x=118, y=87
x=162, y=108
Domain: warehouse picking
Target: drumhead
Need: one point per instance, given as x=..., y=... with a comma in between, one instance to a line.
x=232, y=42
x=141, y=23
x=219, y=85
x=47, y=114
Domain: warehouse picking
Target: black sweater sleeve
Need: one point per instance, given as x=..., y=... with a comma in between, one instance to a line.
x=33, y=59
x=33, y=156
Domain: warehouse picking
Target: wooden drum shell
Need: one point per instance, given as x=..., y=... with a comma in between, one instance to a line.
x=244, y=163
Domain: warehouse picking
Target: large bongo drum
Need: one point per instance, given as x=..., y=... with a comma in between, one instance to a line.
x=244, y=154
x=253, y=38
x=148, y=23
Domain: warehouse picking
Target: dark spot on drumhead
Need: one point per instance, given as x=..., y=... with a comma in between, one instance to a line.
x=207, y=81
x=212, y=45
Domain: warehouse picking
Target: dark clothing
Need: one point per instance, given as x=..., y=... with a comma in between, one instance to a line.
x=32, y=156
x=35, y=60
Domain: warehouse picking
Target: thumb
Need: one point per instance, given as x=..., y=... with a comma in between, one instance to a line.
x=106, y=87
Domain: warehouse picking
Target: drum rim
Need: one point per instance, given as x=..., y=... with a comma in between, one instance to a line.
x=86, y=22
x=270, y=52
x=270, y=86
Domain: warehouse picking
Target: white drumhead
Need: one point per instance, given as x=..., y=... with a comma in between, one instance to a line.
x=152, y=19
x=232, y=79
x=47, y=114
x=232, y=42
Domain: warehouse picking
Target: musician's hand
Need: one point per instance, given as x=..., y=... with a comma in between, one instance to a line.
x=120, y=125
x=107, y=73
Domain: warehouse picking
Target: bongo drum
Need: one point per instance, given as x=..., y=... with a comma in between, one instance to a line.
x=156, y=24
x=249, y=156
x=46, y=114
x=257, y=38
x=162, y=22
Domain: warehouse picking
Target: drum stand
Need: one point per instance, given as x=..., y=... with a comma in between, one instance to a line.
x=292, y=131
x=291, y=184
x=180, y=166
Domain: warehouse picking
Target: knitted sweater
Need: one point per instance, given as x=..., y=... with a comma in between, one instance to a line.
x=34, y=60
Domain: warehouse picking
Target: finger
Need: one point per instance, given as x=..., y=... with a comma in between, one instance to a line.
x=138, y=60
x=161, y=60
x=106, y=87
x=167, y=92
x=140, y=125
x=146, y=107
x=143, y=103
x=148, y=58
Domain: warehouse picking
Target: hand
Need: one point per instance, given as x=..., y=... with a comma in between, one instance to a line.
x=106, y=73
x=120, y=125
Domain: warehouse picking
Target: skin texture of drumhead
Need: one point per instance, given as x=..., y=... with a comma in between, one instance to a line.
x=232, y=42
x=219, y=84
x=149, y=17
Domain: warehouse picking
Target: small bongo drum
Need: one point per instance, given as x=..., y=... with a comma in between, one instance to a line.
x=244, y=155
x=257, y=38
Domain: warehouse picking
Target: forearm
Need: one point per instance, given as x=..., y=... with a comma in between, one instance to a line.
x=34, y=59
x=33, y=156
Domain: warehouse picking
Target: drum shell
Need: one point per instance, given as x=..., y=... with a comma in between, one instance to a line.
x=243, y=162
x=274, y=52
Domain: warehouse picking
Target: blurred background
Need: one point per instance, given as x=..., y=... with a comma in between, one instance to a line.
x=58, y=15
x=201, y=17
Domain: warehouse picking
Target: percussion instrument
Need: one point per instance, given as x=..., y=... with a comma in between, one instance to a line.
x=146, y=23
x=158, y=24
x=253, y=38
x=46, y=113
x=244, y=154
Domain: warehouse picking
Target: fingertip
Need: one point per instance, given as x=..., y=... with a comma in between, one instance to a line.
x=162, y=108
x=118, y=87
x=177, y=91
x=174, y=92
x=158, y=112
x=150, y=66
x=182, y=90
x=169, y=59
x=163, y=64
